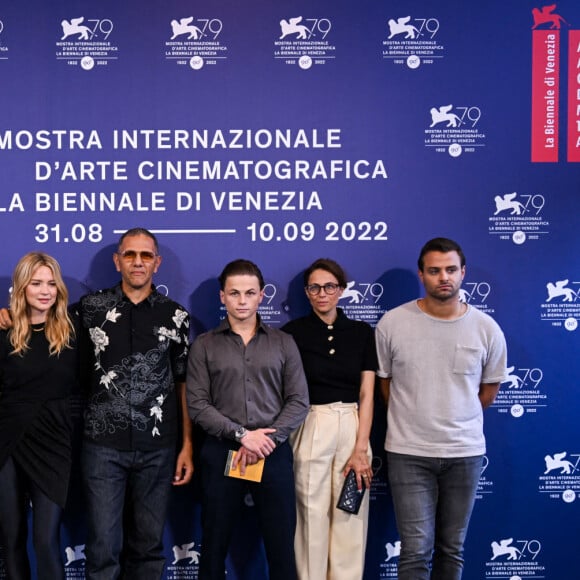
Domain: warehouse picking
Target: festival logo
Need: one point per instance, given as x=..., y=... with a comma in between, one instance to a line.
x=562, y=304
x=560, y=479
x=379, y=486
x=85, y=42
x=485, y=483
x=521, y=392
x=518, y=217
x=185, y=564
x=454, y=129
x=3, y=47
x=74, y=562
x=389, y=564
x=270, y=311
x=545, y=17
x=561, y=290
x=361, y=301
x=304, y=42
x=515, y=559
x=476, y=294
x=550, y=30
x=412, y=41
x=393, y=550
x=546, y=57
x=195, y=42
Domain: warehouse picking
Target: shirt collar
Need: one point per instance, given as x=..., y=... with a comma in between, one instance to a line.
x=123, y=297
x=224, y=326
x=340, y=321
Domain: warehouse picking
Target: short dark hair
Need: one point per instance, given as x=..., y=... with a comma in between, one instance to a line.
x=328, y=265
x=443, y=245
x=138, y=232
x=241, y=268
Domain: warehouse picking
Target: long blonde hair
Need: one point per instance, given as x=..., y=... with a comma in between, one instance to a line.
x=58, y=327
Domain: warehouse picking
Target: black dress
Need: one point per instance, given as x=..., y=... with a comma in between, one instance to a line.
x=36, y=405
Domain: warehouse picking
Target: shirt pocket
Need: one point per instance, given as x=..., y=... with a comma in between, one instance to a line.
x=467, y=360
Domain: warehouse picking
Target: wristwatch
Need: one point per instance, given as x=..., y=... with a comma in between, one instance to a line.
x=240, y=433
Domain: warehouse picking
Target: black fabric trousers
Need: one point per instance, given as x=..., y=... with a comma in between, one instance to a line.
x=222, y=500
x=17, y=490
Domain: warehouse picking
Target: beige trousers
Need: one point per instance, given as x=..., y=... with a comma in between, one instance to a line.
x=330, y=543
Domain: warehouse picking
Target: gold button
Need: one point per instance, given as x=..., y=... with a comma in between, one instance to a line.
x=330, y=338
x=330, y=327
x=331, y=351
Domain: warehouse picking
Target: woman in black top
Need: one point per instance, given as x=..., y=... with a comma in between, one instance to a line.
x=38, y=374
x=340, y=361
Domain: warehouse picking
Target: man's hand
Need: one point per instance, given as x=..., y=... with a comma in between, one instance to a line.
x=5, y=319
x=258, y=442
x=183, y=466
x=244, y=457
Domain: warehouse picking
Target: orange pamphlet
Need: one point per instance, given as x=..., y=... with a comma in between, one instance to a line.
x=253, y=472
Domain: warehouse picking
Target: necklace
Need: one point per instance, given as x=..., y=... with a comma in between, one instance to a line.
x=40, y=329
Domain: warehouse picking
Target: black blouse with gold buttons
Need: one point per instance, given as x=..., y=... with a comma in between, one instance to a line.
x=333, y=356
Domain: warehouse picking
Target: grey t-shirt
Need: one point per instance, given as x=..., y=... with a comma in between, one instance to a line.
x=436, y=367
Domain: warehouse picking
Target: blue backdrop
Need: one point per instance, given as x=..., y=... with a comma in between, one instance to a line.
x=285, y=131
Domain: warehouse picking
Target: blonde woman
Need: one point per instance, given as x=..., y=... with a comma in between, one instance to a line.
x=38, y=375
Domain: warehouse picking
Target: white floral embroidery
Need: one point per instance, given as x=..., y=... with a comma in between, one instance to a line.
x=100, y=340
x=164, y=333
x=107, y=379
x=180, y=316
x=112, y=315
x=157, y=412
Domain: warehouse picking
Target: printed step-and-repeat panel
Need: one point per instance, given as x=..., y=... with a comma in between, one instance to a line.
x=287, y=131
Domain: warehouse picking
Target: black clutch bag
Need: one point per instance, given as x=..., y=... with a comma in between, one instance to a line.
x=350, y=496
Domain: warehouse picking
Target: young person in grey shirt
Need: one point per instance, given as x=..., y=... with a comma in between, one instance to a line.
x=247, y=390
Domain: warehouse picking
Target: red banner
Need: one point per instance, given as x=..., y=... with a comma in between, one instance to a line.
x=574, y=96
x=545, y=94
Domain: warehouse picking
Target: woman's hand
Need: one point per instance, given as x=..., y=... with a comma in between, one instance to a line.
x=359, y=462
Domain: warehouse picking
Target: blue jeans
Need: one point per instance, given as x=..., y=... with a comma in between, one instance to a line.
x=125, y=489
x=433, y=500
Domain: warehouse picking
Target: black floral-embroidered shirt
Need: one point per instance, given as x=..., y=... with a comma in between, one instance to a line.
x=139, y=352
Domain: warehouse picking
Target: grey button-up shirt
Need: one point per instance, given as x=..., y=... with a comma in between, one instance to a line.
x=258, y=385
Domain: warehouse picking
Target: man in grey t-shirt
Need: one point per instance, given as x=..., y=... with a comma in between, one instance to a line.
x=441, y=363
